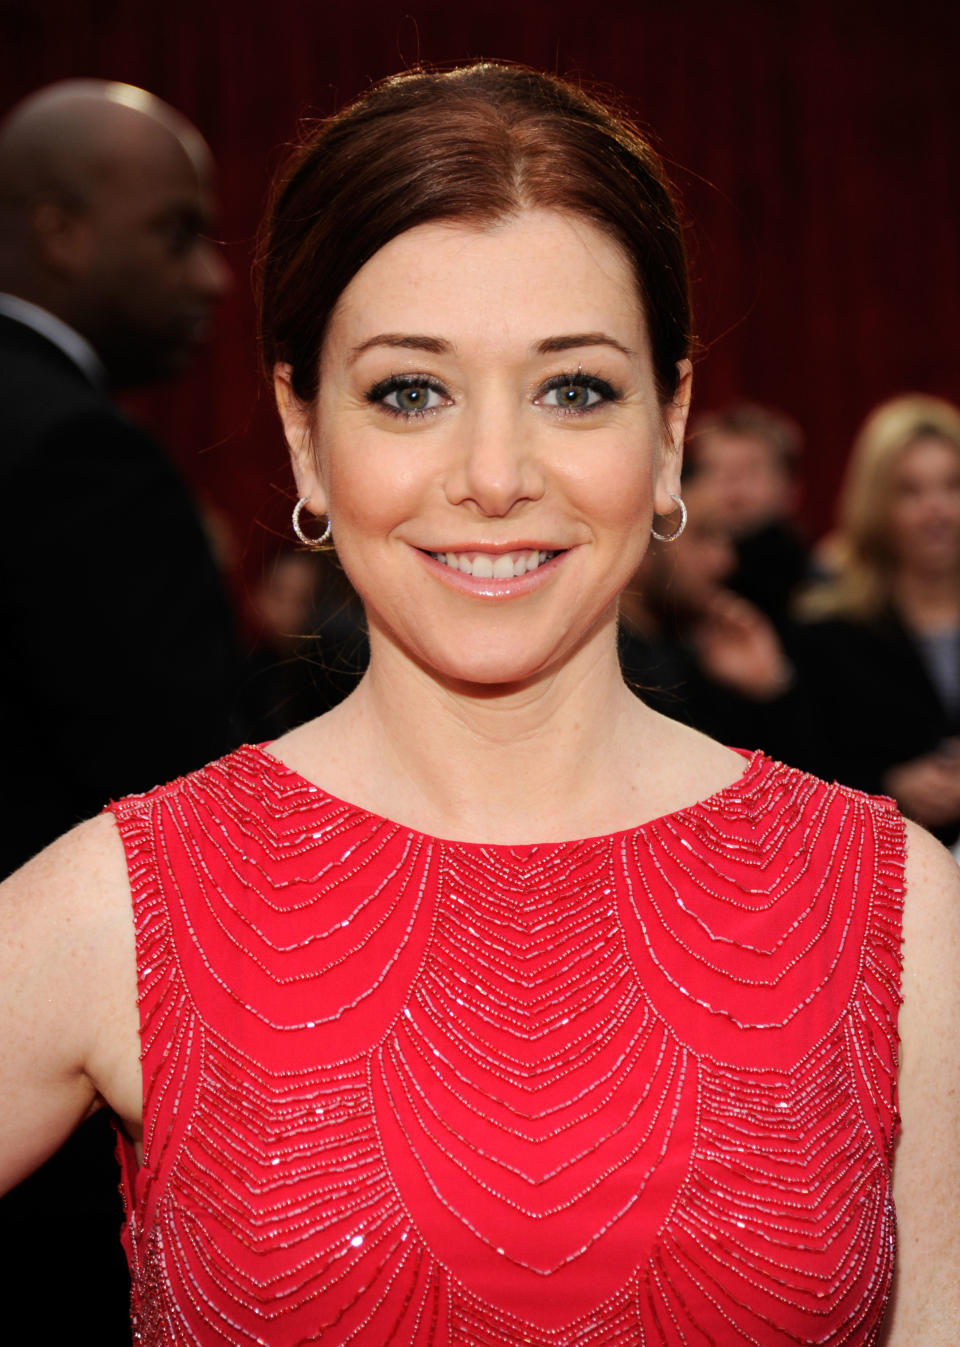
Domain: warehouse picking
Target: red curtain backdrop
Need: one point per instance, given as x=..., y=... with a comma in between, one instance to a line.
x=816, y=146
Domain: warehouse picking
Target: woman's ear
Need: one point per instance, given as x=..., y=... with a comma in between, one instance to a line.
x=674, y=415
x=297, y=419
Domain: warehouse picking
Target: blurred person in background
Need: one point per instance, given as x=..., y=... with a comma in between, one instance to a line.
x=751, y=457
x=107, y=281
x=276, y=684
x=881, y=653
x=309, y=649
x=118, y=651
x=700, y=653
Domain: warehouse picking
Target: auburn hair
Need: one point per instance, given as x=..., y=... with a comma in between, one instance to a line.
x=477, y=143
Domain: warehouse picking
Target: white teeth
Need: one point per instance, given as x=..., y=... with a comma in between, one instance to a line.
x=486, y=566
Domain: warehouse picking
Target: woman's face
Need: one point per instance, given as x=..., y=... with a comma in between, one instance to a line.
x=488, y=442
x=923, y=524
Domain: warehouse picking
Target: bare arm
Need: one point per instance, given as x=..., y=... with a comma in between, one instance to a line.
x=926, y=1308
x=67, y=996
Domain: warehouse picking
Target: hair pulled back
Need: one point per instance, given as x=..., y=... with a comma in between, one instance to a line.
x=474, y=144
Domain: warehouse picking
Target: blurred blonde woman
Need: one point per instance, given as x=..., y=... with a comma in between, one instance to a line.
x=882, y=653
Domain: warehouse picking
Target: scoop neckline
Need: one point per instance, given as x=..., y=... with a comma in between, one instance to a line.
x=754, y=760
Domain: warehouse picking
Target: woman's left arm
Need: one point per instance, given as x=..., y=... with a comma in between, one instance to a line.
x=926, y=1179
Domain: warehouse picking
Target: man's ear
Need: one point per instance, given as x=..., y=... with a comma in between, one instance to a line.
x=297, y=419
x=674, y=415
x=64, y=236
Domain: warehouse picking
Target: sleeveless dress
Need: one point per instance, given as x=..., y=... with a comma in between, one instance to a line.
x=633, y=1089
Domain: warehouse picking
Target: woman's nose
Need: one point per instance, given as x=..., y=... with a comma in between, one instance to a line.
x=496, y=466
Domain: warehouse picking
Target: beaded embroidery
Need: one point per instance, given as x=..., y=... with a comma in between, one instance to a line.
x=637, y=1089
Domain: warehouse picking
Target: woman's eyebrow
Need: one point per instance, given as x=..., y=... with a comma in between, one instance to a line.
x=568, y=341
x=413, y=341
x=419, y=341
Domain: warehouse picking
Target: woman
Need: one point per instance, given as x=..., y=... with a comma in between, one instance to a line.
x=886, y=650
x=501, y=1087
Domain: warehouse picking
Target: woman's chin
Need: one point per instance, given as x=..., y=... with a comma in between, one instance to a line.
x=489, y=675
x=502, y=652
x=482, y=668
x=491, y=670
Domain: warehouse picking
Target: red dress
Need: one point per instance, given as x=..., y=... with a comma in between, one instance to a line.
x=635, y=1089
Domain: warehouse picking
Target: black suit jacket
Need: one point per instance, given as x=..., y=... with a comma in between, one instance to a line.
x=117, y=665
x=876, y=703
x=117, y=654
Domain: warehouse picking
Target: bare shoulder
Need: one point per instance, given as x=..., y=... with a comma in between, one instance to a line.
x=74, y=888
x=931, y=933
x=92, y=850
x=67, y=993
x=927, y=1166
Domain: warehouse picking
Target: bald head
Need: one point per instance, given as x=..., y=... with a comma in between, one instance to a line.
x=72, y=136
x=104, y=201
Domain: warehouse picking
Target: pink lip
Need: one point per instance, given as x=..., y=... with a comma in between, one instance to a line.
x=496, y=549
x=509, y=588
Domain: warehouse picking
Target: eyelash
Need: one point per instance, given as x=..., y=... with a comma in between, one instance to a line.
x=379, y=393
x=395, y=383
x=605, y=391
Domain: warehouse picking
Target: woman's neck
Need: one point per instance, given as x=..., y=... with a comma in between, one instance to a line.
x=570, y=753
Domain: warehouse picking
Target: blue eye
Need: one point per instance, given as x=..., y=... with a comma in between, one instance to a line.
x=407, y=395
x=576, y=392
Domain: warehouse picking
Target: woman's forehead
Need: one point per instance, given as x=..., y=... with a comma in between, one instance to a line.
x=527, y=278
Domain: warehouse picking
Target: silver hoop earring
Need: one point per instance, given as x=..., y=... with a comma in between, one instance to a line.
x=672, y=537
x=309, y=542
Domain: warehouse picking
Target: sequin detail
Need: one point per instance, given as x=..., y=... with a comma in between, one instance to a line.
x=637, y=1089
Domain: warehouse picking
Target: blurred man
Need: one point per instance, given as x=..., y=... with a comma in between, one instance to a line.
x=117, y=638
x=750, y=456
x=117, y=652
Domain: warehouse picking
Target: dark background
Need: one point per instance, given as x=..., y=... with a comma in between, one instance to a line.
x=816, y=147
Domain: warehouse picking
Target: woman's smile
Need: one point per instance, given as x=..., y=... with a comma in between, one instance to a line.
x=494, y=565
x=496, y=575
